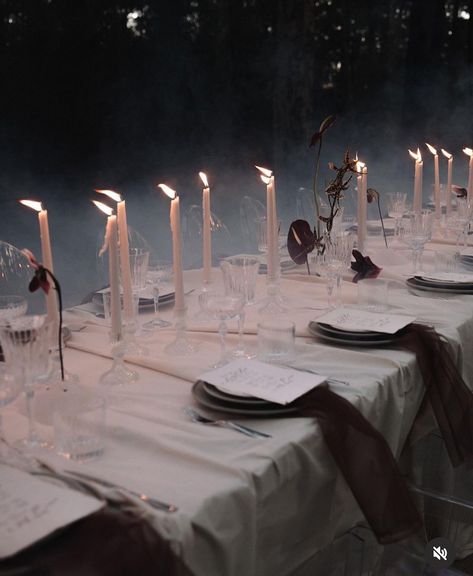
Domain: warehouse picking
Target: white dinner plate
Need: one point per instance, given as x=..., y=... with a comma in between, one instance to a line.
x=220, y=394
x=351, y=341
x=264, y=411
x=443, y=289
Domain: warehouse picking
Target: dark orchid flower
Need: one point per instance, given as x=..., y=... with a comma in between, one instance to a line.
x=300, y=241
x=372, y=195
x=326, y=123
x=364, y=267
x=459, y=191
x=40, y=278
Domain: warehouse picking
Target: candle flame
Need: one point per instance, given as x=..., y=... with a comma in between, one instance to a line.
x=111, y=194
x=168, y=191
x=416, y=155
x=446, y=154
x=431, y=148
x=265, y=179
x=203, y=177
x=360, y=165
x=103, y=207
x=468, y=151
x=32, y=204
x=265, y=171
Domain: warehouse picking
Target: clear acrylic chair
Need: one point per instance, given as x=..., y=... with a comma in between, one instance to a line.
x=192, y=228
x=251, y=211
x=15, y=276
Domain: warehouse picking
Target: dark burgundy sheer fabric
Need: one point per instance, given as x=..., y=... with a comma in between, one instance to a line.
x=362, y=453
x=110, y=542
x=449, y=396
x=366, y=462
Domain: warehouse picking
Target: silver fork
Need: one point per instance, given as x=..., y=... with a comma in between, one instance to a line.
x=197, y=417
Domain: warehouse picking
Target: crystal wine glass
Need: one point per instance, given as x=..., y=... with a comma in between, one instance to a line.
x=416, y=231
x=322, y=265
x=223, y=307
x=239, y=279
x=397, y=209
x=157, y=275
x=458, y=223
x=25, y=344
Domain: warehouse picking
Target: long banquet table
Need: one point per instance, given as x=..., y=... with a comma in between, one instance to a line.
x=249, y=506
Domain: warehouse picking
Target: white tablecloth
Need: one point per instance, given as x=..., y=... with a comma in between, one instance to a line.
x=248, y=506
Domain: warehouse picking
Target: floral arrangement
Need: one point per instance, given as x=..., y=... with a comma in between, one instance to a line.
x=302, y=239
x=40, y=280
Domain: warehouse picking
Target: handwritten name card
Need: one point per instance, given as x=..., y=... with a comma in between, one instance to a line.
x=260, y=380
x=359, y=320
x=31, y=509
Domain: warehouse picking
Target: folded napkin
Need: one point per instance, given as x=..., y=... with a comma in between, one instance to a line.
x=449, y=396
x=366, y=462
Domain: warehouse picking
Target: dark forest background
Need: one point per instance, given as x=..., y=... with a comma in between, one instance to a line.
x=120, y=94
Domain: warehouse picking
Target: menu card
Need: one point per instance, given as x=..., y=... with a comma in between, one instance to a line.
x=261, y=380
x=31, y=508
x=358, y=320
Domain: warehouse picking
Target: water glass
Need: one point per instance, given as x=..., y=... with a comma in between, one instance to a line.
x=239, y=276
x=373, y=294
x=79, y=425
x=25, y=345
x=416, y=231
x=396, y=208
x=239, y=279
x=139, y=259
x=222, y=307
x=276, y=341
x=447, y=261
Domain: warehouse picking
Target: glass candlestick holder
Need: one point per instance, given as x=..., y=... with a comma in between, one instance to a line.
x=120, y=373
x=181, y=345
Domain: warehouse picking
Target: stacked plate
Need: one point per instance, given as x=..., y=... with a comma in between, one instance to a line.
x=467, y=260
x=216, y=399
x=463, y=286
x=144, y=303
x=365, y=338
x=286, y=265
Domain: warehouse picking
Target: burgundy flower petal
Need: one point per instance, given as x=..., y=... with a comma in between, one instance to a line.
x=364, y=267
x=300, y=241
x=34, y=284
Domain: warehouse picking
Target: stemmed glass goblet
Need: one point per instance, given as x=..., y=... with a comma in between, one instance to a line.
x=25, y=344
x=157, y=275
x=239, y=279
x=397, y=209
x=223, y=307
x=416, y=231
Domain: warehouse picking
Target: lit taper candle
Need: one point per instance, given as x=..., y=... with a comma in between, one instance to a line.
x=448, y=192
x=438, y=208
x=206, y=235
x=46, y=255
x=362, y=206
x=417, y=201
x=175, y=218
x=111, y=244
x=272, y=224
x=469, y=152
x=124, y=251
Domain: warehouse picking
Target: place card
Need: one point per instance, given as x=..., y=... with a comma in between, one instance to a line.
x=31, y=508
x=261, y=380
x=352, y=319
